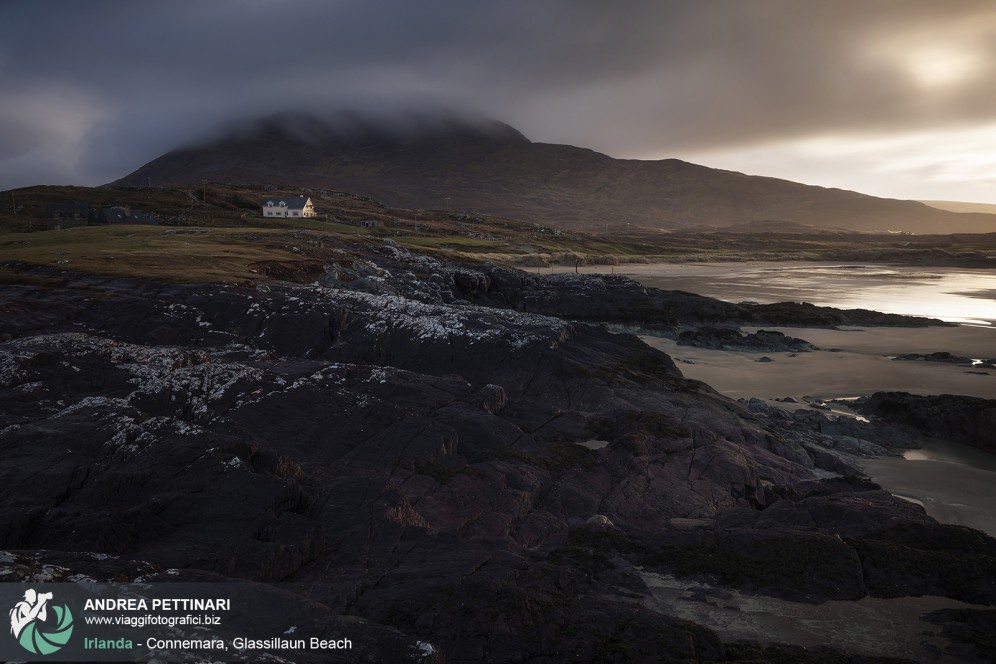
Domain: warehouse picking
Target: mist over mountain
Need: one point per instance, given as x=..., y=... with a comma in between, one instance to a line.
x=462, y=162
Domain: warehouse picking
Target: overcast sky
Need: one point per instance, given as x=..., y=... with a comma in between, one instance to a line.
x=892, y=98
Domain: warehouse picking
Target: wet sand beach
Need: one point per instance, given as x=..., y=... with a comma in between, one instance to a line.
x=951, y=492
x=850, y=363
x=954, y=487
x=869, y=626
x=953, y=483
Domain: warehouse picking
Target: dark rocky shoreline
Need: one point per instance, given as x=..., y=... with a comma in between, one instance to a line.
x=403, y=437
x=725, y=338
x=960, y=419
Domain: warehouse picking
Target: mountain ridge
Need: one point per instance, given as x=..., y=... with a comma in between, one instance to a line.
x=427, y=161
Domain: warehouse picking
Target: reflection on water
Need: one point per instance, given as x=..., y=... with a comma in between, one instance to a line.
x=951, y=294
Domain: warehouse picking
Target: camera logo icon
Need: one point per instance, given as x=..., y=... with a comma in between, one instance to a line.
x=30, y=624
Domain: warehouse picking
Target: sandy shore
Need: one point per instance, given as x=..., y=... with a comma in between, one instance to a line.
x=861, y=364
x=952, y=488
x=870, y=626
x=953, y=483
x=951, y=492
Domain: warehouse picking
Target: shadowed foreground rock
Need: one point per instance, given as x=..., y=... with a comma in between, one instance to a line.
x=416, y=460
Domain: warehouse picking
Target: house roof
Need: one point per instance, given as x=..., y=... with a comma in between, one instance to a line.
x=115, y=213
x=293, y=202
x=139, y=217
x=67, y=209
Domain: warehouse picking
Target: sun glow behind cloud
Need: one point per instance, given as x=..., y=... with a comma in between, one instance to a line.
x=934, y=67
x=936, y=57
x=804, y=91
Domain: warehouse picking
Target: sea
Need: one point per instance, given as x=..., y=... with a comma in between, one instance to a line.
x=958, y=295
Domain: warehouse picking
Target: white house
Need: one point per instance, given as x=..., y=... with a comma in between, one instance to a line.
x=295, y=206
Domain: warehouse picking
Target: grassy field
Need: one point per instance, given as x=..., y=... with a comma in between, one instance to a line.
x=192, y=255
x=215, y=233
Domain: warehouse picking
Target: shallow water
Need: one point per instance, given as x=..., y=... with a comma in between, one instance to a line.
x=953, y=294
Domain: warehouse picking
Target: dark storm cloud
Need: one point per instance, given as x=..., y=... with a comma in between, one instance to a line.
x=101, y=87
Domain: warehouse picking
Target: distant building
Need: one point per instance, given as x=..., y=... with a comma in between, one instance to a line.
x=109, y=215
x=298, y=206
x=119, y=215
x=66, y=215
x=67, y=211
x=370, y=223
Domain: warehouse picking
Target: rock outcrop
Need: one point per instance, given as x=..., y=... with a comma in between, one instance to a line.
x=406, y=438
x=961, y=419
x=724, y=338
x=602, y=298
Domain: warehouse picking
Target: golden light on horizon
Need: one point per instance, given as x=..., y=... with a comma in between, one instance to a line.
x=936, y=66
x=956, y=163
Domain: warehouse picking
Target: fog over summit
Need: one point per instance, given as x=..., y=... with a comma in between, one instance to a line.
x=889, y=98
x=352, y=125
x=431, y=159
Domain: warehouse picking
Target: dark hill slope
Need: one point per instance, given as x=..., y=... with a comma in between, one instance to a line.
x=490, y=167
